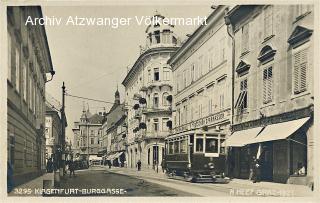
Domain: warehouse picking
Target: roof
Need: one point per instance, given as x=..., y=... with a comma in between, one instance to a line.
x=96, y=119
x=115, y=115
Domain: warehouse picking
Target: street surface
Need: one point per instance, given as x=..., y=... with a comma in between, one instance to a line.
x=99, y=178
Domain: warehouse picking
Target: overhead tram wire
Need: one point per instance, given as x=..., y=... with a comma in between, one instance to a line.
x=107, y=102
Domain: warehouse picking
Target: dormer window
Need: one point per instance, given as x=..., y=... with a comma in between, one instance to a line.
x=266, y=54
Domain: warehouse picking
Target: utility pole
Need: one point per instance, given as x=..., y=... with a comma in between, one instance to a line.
x=63, y=130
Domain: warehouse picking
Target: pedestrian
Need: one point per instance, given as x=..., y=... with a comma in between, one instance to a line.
x=109, y=163
x=139, y=165
x=72, y=168
x=10, y=182
x=163, y=165
x=49, y=166
x=255, y=170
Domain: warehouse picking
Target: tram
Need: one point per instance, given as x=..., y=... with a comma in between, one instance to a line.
x=196, y=157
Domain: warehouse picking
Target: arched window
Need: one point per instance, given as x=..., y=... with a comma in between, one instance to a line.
x=164, y=99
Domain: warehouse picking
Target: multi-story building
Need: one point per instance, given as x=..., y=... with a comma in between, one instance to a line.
x=115, y=133
x=86, y=135
x=202, y=86
x=273, y=91
x=28, y=61
x=53, y=132
x=147, y=85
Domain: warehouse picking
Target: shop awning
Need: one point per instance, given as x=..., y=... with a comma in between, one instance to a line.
x=243, y=137
x=117, y=155
x=279, y=131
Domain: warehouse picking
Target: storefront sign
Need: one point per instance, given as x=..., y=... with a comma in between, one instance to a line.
x=209, y=120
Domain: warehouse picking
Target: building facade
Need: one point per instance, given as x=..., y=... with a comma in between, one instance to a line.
x=115, y=132
x=87, y=132
x=53, y=132
x=202, y=86
x=273, y=92
x=29, y=61
x=147, y=86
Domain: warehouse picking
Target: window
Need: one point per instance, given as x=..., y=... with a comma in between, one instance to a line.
x=300, y=71
x=25, y=152
x=199, y=144
x=222, y=46
x=171, y=147
x=11, y=150
x=92, y=140
x=166, y=37
x=164, y=124
x=165, y=102
x=192, y=72
x=166, y=74
x=221, y=101
x=9, y=56
x=184, y=80
x=24, y=80
x=30, y=91
x=267, y=85
x=92, y=132
x=17, y=70
x=155, y=125
x=242, y=101
x=78, y=143
x=156, y=74
x=149, y=75
x=157, y=36
x=268, y=21
x=211, y=145
x=200, y=66
x=210, y=60
x=155, y=100
x=176, y=147
x=245, y=38
x=183, y=146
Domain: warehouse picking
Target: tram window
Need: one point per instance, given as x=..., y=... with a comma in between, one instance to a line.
x=211, y=145
x=170, y=147
x=183, y=146
x=199, y=145
x=176, y=147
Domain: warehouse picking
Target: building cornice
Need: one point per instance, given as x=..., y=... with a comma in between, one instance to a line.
x=149, y=52
x=197, y=35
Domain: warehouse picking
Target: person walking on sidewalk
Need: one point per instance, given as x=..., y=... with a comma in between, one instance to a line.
x=139, y=165
x=163, y=165
x=72, y=168
x=255, y=170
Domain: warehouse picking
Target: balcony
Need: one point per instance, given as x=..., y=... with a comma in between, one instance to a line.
x=153, y=109
x=154, y=134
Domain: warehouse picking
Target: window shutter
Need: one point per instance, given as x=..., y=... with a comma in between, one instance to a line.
x=270, y=84
x=296, y=72
x=303, y=70
x=265, y=83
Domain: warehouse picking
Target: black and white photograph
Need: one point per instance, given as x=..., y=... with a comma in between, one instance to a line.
x=124, y=99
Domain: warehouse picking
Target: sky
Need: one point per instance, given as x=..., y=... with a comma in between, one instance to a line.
x=93, y=60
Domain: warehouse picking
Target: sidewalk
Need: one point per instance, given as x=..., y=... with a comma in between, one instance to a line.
x=30, y=188
x=236, y=187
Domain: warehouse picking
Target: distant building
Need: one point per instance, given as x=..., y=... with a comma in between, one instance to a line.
x=53, y=132
x=86, y=135
x=114, y=131
x=273, y=91
x=28, y=61
x=147, y=86
x=202, y=89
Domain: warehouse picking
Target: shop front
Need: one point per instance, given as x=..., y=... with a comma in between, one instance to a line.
x=281, y=150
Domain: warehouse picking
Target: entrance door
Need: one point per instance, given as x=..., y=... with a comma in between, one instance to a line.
x=266, y=160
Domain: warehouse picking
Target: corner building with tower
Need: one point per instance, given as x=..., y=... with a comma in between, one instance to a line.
x=147, y=87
